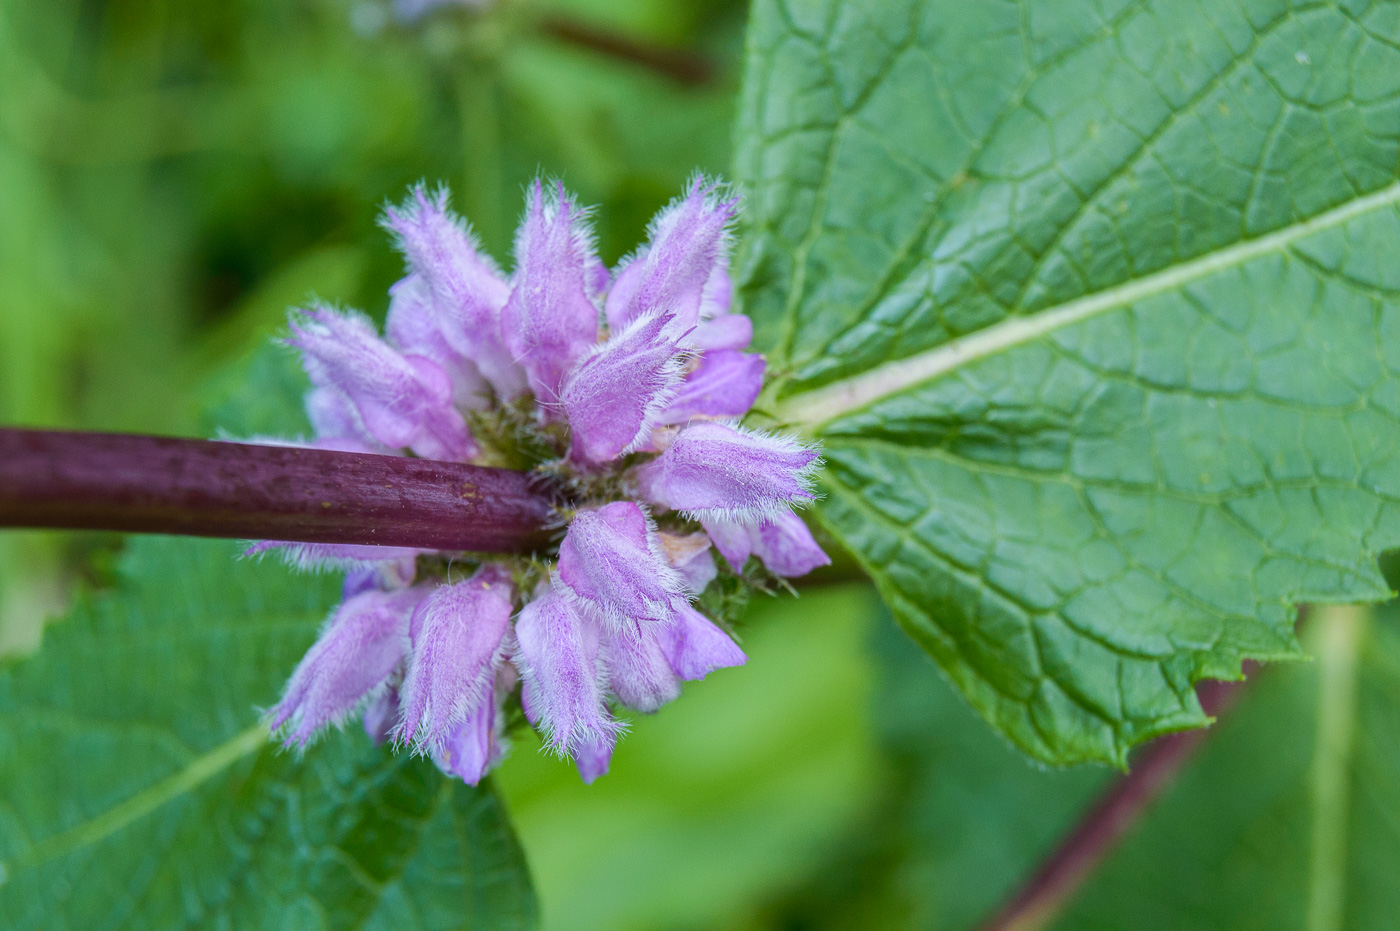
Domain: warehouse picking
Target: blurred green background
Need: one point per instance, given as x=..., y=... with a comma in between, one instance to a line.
x=173, y=176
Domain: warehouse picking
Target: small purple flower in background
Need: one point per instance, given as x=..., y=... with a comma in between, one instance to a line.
x=623, y=391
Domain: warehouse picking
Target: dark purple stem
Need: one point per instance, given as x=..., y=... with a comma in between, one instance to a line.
x=680, y=65
x=147, y=484
x=1103, y=826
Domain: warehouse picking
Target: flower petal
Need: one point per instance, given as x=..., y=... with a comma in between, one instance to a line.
x=696, y=647
x=382, y=715
x=638, y=672
x=726, y=331
x=313, y=557
x=731, y=472
x=549, y=321
x=731, y=538
x=690, y=556
x=468, y=291
x=475, y=744
x=688, y=243
x=786, y=546
x=334, y=418
x=358, y=649
x=615, y=396
x=557, y=651
x=725, y=384
x=592, y=760
x=718, y=298
x=457, y=634
x=403, y=401
x=610, y=564
x=414, y=326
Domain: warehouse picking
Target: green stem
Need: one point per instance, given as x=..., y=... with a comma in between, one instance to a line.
x=1341, y=632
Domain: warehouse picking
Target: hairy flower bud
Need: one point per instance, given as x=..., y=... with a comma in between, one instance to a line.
x=359, y=647
x=557, y=650
x=610, y=565
x=403, y=401
x=550, y=323
x=457, y=634
x=619, y=392
x=712, y=469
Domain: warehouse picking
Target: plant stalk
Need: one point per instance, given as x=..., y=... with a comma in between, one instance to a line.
x=1061, y=875
x=202, y=488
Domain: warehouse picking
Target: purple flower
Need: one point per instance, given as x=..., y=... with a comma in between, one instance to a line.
x=310, y=557
x=550, y=322
x=382, y=715
x=690, y=556
x=786, y=546
x=647, y=417
x=645, y=663
x=783, y=543
x=718, y=328
x=728, y=331
x=610, y=565
x=617, y=394
x=731, y=538
x=334, y=418
x=415, y=326
x=403, y=401
x=476, y=743
x=557, y=652
x=687, y=249
x=715, y=470
x=718, y=298
x=360, y=646
x=592, y=759
x=466, y=290
x=636, y=666
x=457, y=634
x=694, y=647
x=724, y=384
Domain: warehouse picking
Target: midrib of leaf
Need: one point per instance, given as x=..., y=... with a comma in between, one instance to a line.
x=1339, y=642
x=811, y=409
x=196, y=772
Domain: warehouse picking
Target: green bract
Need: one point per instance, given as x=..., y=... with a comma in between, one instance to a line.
x=1094, y=308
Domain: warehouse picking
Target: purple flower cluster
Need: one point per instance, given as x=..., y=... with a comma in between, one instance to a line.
x=622, y=389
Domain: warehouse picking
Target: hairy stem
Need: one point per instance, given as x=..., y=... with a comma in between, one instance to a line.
x=146, y=484
x=1042, y=896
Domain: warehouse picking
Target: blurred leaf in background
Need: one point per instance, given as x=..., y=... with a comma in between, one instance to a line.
x=1290, y=817
x=174, y=176
x=1287, y=818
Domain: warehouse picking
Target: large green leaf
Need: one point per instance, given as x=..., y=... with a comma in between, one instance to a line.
x=1289, y=817
x=1093, y=307
x=140, y=791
